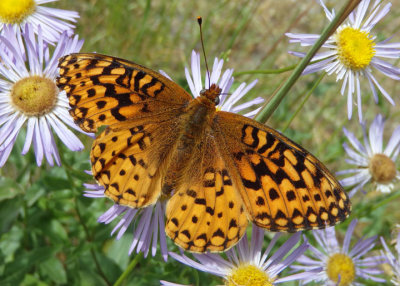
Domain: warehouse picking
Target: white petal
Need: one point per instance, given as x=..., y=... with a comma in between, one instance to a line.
x=376, y=134
x=29, y=134
x=360, y=13
x=393, y=142
x=358, y=98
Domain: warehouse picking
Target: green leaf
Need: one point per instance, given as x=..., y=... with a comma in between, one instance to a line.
x=56, y=183
x=33, y=193
x=14, y=272
x=117, y=250
x=56, y=231
x=10, y=242
x=9, y=210
x=9, y=188
x=31, y=280
x=54, y=270
x=87, y=278
x=109, y=267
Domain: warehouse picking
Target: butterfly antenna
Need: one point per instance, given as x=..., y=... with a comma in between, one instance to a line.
x=200, y=21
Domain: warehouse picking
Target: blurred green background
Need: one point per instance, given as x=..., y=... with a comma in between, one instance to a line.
x=49, y=233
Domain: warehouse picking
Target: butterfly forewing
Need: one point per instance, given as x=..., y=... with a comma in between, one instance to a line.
x=140, y=107
x=283, y=187
x=104, y=90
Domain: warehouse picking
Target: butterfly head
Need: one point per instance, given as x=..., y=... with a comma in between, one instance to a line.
x=212, y=94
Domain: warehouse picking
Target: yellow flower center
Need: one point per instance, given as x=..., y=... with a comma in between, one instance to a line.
x=355, y=48
x=382, y=168
x=34, y=95
x=16, y=11
x=341, y=267
x=248, y=275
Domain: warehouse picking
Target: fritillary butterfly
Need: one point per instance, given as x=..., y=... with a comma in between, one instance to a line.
x=218, y=169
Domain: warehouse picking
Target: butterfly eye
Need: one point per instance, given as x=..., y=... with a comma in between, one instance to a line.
x=216, y=100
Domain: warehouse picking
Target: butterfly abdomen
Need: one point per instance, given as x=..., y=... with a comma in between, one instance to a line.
x=194, y=125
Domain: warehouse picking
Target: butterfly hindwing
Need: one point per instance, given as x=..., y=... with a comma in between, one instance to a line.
x=104, y=90
x=129, y=162
x=283, y=187
x=206, y=212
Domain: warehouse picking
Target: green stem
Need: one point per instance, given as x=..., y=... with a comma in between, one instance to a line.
x=271, y=106
x=128, y=270
x=386, y=200
x=143, y=26
x=304, y=101
x=275, y=71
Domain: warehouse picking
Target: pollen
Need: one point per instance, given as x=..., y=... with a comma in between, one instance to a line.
x=16, y=11
x=355, y=48
x=34, y=95
x=341, y=269
x=248, y=275
x=382, y=169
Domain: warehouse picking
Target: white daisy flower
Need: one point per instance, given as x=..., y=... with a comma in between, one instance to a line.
x=29, y=95
x=372, y=162
x=148, y=223
x=394, y=261
x=248, y=265
x=53, y=22
x=341, y=266
x=352, y=52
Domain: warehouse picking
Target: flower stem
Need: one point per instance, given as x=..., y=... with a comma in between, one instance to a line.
x=128, y=270
x=383, y=202
x=271, y=106
x=304, y=101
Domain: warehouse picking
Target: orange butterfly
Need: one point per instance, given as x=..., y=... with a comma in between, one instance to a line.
x=217, y=169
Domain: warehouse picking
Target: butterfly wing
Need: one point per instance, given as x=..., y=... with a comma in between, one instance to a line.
x=283, y=187
x=131, y=164
x=206, y=212
x=104, y=90
x=140, y=108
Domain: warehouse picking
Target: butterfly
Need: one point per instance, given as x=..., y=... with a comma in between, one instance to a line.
x=218, y=170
